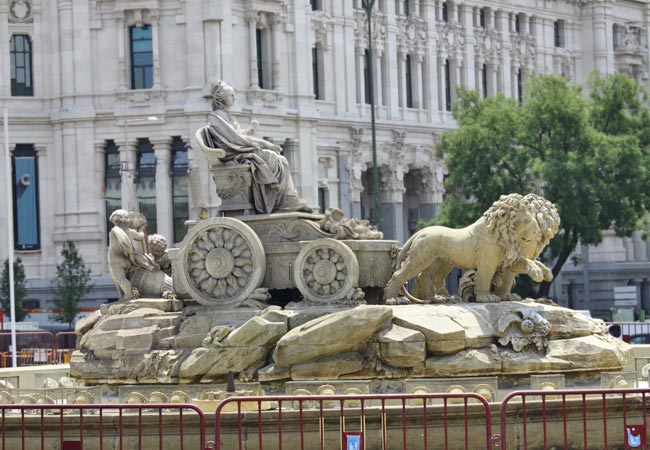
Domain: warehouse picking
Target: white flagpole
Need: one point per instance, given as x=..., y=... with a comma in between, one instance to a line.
x=10, y=239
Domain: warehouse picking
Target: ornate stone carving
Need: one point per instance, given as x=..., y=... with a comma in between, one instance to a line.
x=379, y=26
x=523, y=328
x=488, y=45
x=564, y=63
x=523, y=52
x=505, y=241
x=411, y=35
x=323, y=26
x=451, y=41
x=630, y=41
x=334, y=223
x=20, y=11
x=233, y=186
x=222, y=261
x=326, y=271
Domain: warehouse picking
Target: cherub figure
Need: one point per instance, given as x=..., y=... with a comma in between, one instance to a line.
x=126, y=251
x=158, y=249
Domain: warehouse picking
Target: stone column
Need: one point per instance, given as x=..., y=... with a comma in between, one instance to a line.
x=162, y=150
x=120, y=24
x=603, y=40
x=469, y=57
x=417, y=81
x=345, y=202
x=454, y=77
x=129, y=164
x=276, y=31
x=493, y=79
x=442, y=84
x=391, y=197
x=66, y=55
x=505, y=80
x=251, y=20
x=5, y=37
x=155, y=44
x=401, y=76
x=359, y=53
x=213, y=50
x=378, y=79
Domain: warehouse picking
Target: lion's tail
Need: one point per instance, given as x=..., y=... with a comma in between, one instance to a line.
x=403, y=253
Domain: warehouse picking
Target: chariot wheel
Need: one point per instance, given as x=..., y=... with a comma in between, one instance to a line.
x=326, y=270
x=221, y=261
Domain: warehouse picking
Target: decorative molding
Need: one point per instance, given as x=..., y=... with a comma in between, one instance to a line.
x=411, y=35
x=379, y=29
x=20, y=11
x=523, y=51
x=323, y=26
x=451, y=41
x=488, y=45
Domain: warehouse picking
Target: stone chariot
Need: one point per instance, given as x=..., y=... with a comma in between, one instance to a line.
x=228, y=260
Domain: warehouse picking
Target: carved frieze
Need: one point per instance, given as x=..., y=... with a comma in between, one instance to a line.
x=323, y=26
x=630, y=42
x=451, y=41
x=379, y=26
x=411, y=34
x=488, y=46
x=523, y=50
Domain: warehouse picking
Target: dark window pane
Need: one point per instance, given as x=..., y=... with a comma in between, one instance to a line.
x=25, y=198
x=21, y=65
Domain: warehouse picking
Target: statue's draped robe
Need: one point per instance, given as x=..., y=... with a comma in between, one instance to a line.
x=273, y=189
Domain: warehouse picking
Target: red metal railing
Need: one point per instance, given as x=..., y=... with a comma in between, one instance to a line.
x=575, y=419
x=371, y=421
x=33, y=348
x=115, y=426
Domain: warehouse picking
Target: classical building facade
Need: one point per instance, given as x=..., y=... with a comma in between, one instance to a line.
x=104, y=97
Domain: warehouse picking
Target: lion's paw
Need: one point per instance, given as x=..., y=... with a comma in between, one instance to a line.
x=510, y=297
x=487, y=298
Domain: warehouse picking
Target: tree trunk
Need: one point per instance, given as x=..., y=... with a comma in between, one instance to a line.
x=568, y=245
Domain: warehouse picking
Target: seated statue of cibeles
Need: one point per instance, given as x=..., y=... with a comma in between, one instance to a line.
x=273, y=188
x=134, y=271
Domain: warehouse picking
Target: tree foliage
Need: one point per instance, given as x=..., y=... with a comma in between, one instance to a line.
x=587, y=154
x=72, y=283
x=20, y=290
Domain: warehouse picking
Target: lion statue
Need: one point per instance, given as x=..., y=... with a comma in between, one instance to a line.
x=504, y=242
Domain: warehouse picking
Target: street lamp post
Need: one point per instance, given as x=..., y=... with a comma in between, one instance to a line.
x=125, y=164
x=368, y=5
x=10, y=240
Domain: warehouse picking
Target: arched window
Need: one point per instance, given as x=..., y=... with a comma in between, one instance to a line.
x=20, y=52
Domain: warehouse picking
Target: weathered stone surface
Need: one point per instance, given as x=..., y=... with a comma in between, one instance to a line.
x=465, y=363
x=566, y=323
x=330, y=335
x=87, y=323
x=199, y=320
x=244, y=347
x=602, y=352
x=402, y=347
x=329, y=368
x=443, y=334
x=136, y=341
x=273, y=372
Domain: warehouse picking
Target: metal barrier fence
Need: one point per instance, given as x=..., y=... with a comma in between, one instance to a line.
x=115, y=426
x=575, y=419
x=32, y=348
x=37, y=347
x=633, y=332
x=354, y=422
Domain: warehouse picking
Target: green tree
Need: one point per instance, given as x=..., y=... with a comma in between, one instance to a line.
x=72, y=284
x=588, y=155
x=19, y=290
